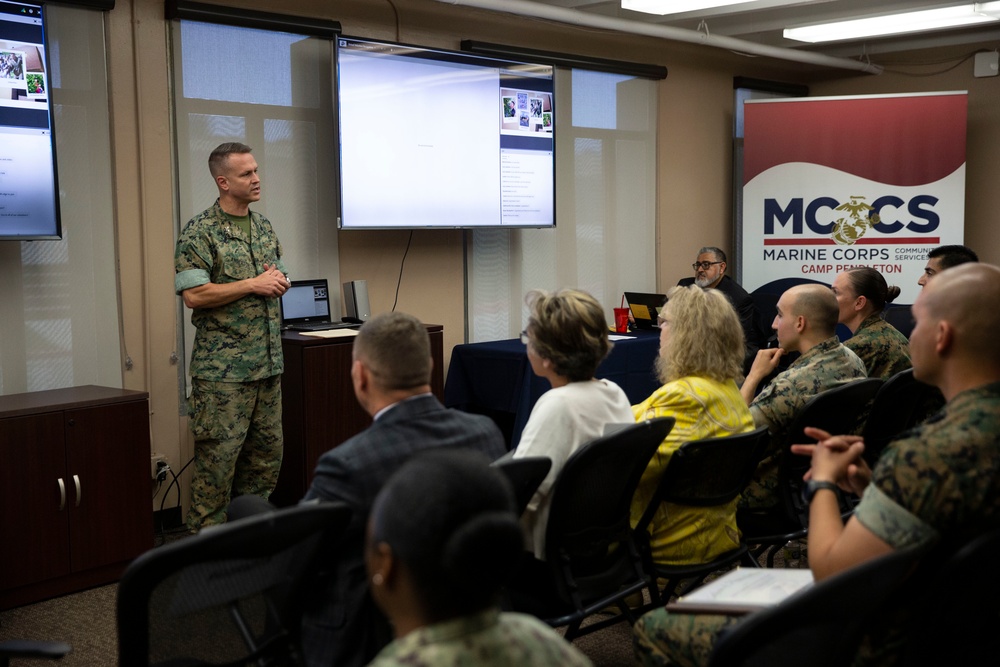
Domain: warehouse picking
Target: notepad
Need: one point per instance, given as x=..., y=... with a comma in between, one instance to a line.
x=744, y=590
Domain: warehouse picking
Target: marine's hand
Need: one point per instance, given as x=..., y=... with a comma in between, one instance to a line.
x=271, y=282
x=837, y=459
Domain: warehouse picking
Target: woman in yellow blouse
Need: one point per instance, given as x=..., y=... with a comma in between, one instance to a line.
x=701, y=356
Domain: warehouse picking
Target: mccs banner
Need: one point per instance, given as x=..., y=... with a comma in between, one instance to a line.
x=836, y=182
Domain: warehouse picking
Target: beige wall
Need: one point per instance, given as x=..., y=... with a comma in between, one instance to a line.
x=694, y=160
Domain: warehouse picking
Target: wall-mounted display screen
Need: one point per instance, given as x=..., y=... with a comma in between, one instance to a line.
x=432, y=138
x=29, y=207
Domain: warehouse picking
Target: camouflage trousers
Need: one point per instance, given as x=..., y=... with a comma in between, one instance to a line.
x=762, y=491
x=663, y=638
x=237, y=444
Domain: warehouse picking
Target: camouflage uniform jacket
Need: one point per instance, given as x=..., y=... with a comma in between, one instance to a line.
x=940, y=477
x=939, y=482
x=881, y=347
x=489, y=639
x=240, y=341
x=822, y=367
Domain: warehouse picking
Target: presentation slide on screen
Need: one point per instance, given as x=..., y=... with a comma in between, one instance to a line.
x=27, y=169
x=27, y=205
x=427, y=142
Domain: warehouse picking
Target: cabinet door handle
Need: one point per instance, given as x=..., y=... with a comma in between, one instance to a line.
x=62, y=494
x=76, y=481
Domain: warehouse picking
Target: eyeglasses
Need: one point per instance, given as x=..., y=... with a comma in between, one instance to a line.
x=704, y=265
x=524, y=336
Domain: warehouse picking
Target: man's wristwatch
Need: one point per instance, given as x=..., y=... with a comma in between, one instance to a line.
x=812, y=486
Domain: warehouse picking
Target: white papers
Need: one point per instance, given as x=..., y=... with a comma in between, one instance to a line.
x=743, y=590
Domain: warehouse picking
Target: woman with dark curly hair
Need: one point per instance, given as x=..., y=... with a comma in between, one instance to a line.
x=567, y=339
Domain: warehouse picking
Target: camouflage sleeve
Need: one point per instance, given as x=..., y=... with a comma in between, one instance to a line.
x=891, y=522
x=193, y=260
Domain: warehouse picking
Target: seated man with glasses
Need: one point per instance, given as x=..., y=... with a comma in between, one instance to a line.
x=710, y=272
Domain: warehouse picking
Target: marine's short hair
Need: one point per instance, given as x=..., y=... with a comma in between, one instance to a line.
x=706, y=337
x=396, y=349
x=818, y=305
x=952, y=255
x=220, y=156
x=449, y=517
x=569, y=329
x=960, y=296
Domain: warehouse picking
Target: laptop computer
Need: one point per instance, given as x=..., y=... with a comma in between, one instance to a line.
x=645, y=308
x=306, y=307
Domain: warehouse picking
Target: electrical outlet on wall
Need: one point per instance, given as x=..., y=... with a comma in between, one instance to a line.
x=157, y=466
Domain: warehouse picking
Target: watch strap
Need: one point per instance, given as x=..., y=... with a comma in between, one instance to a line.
x=812, y=487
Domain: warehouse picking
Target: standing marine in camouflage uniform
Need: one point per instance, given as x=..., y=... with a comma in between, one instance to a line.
x=806, y=319
x=229, y=271
x=862, y=295
x=939, y=482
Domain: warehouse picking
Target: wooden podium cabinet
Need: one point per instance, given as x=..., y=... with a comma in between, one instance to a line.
x=74, y=489
x=318, y=407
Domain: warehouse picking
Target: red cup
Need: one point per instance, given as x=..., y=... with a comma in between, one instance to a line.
x=621, y=320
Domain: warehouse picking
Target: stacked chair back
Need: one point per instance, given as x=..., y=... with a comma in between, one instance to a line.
x=899, y=405
x=525, y=475
x=231, y=595
x=589, y=542
x=836, y=411
x=702, y=473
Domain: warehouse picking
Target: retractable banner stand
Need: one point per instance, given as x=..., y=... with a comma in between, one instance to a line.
x=836, y=182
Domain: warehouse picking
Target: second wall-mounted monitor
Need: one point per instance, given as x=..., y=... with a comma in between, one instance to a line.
x=29, y=195
x=432, y=138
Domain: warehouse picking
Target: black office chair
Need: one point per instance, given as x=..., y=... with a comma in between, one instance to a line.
x=901, y=403
x=230, y=595
x=834, y=410
x=591, y=557
x=525, y=475
x=702, y=473
x=900, y=316
x=953, y=619
x=32, y=649
x=821, y=626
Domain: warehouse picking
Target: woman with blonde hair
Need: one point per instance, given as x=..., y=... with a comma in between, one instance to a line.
x=567, y=339
x=862, y=295
x=701, y=357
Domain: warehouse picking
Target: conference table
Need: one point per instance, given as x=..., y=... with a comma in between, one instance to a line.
x=494, y=378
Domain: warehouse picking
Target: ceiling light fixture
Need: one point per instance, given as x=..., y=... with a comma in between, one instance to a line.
x=664, y=7
x=896, y=24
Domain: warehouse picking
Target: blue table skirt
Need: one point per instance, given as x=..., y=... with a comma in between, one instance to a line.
x=495, y=378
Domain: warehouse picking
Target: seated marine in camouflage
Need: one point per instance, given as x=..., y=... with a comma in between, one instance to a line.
x=805, y=323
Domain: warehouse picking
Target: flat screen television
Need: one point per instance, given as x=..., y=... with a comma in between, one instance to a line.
x=29, y=197
x=443, y=139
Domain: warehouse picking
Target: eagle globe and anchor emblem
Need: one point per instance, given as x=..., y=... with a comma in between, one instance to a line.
x=847, y=230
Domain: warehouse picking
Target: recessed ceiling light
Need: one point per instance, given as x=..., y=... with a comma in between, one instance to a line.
x=895, y=24
x=664, y=7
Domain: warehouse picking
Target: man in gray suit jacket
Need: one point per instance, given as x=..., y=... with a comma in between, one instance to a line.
x=391, y=371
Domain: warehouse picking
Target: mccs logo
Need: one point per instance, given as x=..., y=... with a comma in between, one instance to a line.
x=856, y=216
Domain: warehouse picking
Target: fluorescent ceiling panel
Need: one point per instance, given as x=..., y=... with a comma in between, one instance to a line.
x=895, y=24
x=664, y=7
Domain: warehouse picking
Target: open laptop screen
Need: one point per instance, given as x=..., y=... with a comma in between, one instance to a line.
x=306, y=302
x=645, y=308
